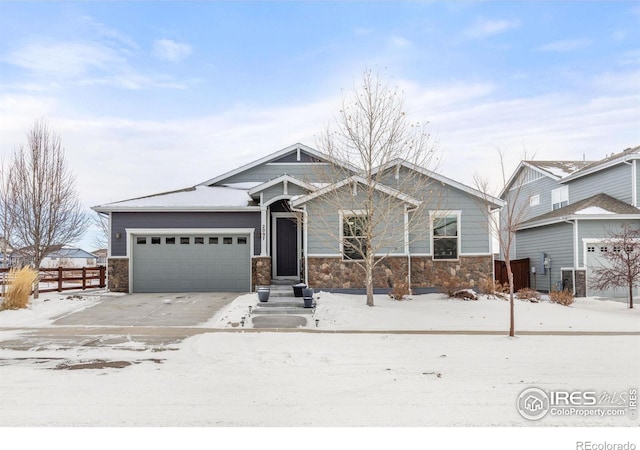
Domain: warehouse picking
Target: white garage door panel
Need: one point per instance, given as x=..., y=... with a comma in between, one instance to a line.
x=596, y=260
x=191, y=267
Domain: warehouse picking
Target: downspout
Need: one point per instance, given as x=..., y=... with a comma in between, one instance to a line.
x=634, y=182
x=575, y=252
x=407, y=210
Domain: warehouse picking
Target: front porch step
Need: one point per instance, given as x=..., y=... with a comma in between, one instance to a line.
x=288, y=282
x=282, y=305
x=281, y=290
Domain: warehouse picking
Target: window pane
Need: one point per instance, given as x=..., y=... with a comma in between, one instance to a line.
x=213, y=240
x=141, y=240
x=227, y=240
x=155, y=240
x=445, y=226
x=185, y=240
x=198, y=240
x=170, y=240
x=445, y=248
x=242, y=240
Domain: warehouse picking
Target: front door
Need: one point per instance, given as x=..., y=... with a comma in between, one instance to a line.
x=286, y=247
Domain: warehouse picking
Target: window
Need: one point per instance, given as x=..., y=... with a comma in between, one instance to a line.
x=227, y=240
x=242, y=240
x=141, y=240
x=560, y=197
x=155, y=240
x=198, y=240
x=445, y=236
x=213, y=240
x=170, y=241
x=354, y=242
x=534, y=200
x=591, y=249
x=604, y=249
x=185, y=240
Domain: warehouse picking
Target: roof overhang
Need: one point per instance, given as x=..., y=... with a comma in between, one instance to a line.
x=574, y=217
x=495, y=203
x=614, y=162
x=355, y=179
x=108, y=209
x=281, y=179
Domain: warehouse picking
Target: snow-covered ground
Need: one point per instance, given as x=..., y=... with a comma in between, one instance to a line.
x=328, y=378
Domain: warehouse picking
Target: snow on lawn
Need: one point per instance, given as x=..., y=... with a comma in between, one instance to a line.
x=437, y=312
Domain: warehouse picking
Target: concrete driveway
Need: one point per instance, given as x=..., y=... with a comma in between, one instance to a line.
x=151, y=310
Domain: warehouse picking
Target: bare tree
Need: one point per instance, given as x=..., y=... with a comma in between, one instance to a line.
x=378, y=183
x=504, y=225
x=6, y=218
x=46, y=208
x=622, y=262
x=100, y=222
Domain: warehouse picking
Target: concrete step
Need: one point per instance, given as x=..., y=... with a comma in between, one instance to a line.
x=282, y=305
x=281, y=311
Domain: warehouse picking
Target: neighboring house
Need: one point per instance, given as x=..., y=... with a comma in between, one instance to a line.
x=5, y=260
x=101, y=256
x=570, y=208
x=68, y=257
x=260, y=224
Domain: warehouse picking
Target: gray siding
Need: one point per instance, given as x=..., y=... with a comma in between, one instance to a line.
x=615, y=181
x=269, y=171
x=324, y=223
x=293, y=157
x=123, y=220
x=541, y=186
x=554, y=240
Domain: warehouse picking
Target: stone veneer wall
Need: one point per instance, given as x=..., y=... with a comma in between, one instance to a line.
x=260, y=271
x=118, y=274
x=334, y=273
x=469, y=270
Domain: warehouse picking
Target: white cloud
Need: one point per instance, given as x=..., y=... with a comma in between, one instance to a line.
x=565, y=45
x=169, y=50
x=400, y=42
x=489, y=27
x=63, y=59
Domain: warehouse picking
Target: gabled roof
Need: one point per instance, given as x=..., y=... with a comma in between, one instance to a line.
x=197, y=197
x=610, y=161
x=596, y=207
x=350, y=180
x=281, y=179
x=556, y=170
x=274, y=157
x=496, y=202
x=70, y=252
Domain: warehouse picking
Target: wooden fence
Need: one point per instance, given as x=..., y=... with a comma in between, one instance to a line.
x=67, y=278
x=520, y=269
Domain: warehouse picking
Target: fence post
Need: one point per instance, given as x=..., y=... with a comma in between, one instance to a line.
x=102, y=276
x=84, y=278
x=59, y=279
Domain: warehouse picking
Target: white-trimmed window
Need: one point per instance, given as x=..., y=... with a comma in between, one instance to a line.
x=445, y=234
x=354, y=243
x=559, y=197
x=534, y=200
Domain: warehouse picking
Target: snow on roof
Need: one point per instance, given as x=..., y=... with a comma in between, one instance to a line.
x=559, y=169
x=594, y=210
x=197, y=196
x=68, y=252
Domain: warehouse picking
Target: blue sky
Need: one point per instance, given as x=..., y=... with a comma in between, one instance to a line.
x=153, y=96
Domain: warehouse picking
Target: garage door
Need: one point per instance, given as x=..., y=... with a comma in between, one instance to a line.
x=596, y=260
x=191, y=263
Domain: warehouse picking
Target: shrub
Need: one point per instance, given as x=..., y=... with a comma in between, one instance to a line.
x=449, y=283
x=529, y=294
x=488, y=286
x=399, y=290
x=564, y=298
x=21, y=284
